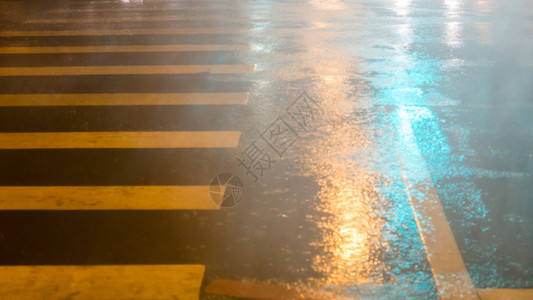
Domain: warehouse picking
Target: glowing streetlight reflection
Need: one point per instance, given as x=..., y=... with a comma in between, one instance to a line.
x=453, y=30
x=402, y=7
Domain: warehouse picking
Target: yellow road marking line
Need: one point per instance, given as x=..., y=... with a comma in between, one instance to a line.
x=125, y=4
x=126, y=70
x=123, y=19
x=129, y=3
x=106, y=198
x=101, y=282
x=136, y=48
x=123, y=99
x=139, y=31
x=449, y=271
x=505, y=294
x=256, y=290
x=147, y=139
x=166, y=8
x=123, y=9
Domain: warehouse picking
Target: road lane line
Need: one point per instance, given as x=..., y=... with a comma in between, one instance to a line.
x=189, y=8
x=505, y=294
x=101, y=282
x=114, y=9
x=126, y=139
x=258, y=290
x=106, y=198
x=123, y=99
x=134, y=48
x=125, y=4
x=126, y=70
x=138, y=31
x=447, y=265
x=124, y=19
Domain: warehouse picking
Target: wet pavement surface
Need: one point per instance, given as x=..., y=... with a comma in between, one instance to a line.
x=384, y=148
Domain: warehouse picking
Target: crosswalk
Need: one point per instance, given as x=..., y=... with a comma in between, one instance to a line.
x=126, y=70
x=40, y=84
x=123, y=99
x=102, y=140
x=93, y=282
x=127, y=49
x=121, y=19
x=105, y=197
x=111, y=32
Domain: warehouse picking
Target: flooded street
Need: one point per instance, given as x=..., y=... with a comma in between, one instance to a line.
x=322, y=149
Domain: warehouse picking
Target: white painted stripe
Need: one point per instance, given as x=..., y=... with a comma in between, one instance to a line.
x=138, y=31
x=148, y=139
x=505, y=294
x=123, y=99
x=133, y=282
x=135, y=48
x=449, y=271
x=126, y=70
x=106, y=198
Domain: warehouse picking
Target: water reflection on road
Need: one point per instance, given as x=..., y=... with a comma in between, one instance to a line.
x=373, y=78
x=418, y=143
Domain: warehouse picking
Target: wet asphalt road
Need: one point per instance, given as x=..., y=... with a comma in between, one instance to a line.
x=352, y=105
